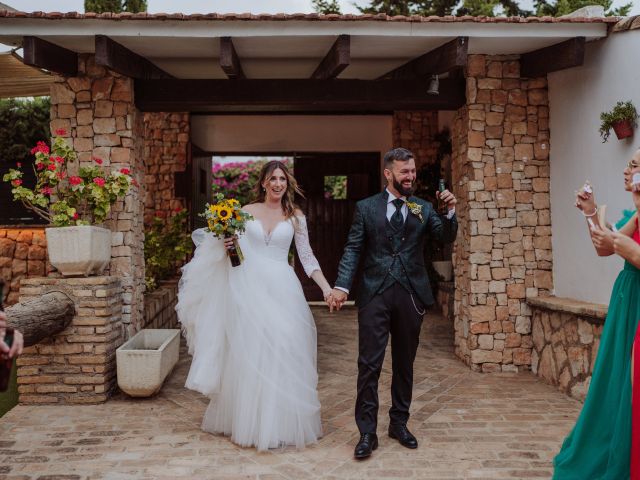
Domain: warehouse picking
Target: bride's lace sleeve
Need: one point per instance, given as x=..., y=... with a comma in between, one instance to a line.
x=305, y=254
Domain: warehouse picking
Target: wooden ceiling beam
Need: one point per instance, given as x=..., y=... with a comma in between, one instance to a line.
x=229, y=60
x=337, y=59
x=297, y=95
x=42, y=54
x=446, y=58
x=556, y=57
x=119, y=58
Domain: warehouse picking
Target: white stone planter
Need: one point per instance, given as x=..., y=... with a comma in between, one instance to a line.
x=145, y=360
x=444, y=268
x=81, y=250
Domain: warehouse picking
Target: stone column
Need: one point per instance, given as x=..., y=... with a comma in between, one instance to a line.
x=166, y=140
x=96, y=110
x=503, y=251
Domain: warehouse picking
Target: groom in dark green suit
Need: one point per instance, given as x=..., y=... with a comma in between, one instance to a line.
x=387, y=235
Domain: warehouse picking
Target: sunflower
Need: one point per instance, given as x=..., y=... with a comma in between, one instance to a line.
x=233, y=202
x=213, y=208
x=224, y=213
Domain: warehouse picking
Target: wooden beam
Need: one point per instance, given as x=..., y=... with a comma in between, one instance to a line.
x=119, y=58
x=550, y=59
x=297, y=95
x=42, y=54
x=446, y=58
x=229, y=60
x=337, y=59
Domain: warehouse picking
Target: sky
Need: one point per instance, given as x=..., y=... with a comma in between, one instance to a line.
x=224, y=6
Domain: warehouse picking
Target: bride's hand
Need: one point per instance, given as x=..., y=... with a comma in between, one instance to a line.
x=228, y=242
x=585, y=200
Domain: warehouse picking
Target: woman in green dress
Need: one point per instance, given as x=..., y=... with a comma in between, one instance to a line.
x=600, y=444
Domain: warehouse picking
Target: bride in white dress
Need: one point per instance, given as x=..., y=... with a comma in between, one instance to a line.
x=249, y=328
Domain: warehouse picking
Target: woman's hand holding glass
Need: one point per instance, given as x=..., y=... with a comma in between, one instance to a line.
x=585, y=200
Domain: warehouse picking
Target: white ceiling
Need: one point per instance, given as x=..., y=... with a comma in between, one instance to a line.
x=190, y=49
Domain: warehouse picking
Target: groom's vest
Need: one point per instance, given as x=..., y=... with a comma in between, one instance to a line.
x=396, y=272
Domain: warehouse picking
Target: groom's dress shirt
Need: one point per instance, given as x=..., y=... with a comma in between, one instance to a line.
x=391, y=209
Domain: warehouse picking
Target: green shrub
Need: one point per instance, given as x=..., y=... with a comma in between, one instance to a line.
x=166, y=244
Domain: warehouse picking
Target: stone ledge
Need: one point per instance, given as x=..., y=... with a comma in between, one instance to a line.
x=596, y=311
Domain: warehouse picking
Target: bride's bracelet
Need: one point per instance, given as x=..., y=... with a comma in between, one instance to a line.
x=595, y=212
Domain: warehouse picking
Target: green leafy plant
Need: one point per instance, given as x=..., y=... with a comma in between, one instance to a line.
x=621, y=111
x=166, y=244
x=62, y=199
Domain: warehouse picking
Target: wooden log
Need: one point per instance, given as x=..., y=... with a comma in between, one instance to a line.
x=41, y=317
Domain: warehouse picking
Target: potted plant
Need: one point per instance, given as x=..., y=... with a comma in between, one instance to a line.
x=622, y=118
x=74, y=205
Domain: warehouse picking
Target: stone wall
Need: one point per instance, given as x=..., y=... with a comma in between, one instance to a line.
x=566, y=337
x=159, y=306
x=97, y=111
x=23, y=254
x=77, y=365
x=501, y=179
x=166, y=140
x=414, y=130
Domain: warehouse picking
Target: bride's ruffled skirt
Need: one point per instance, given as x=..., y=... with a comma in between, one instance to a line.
x=253, y=341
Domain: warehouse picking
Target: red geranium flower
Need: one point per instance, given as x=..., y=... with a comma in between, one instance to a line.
x=16, y=183
x=75, y=216
x=46, y=190
x=99, y=181
x=61, y=175
x=75, y=180
x=125, y=171
x=39, y=165
x=98, y=161
x=61, y=131
x=19, y=165
x=52, y=167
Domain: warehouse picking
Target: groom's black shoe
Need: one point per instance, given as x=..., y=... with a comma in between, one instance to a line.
x=368, y=443
x=403, y=435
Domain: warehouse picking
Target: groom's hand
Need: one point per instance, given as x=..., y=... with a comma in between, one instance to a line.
x=448, y=198
x=339, y=297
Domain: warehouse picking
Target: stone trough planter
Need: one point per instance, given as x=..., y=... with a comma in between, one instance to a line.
x=145, y=360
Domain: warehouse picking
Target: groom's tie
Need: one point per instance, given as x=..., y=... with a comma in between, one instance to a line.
x=396, y=219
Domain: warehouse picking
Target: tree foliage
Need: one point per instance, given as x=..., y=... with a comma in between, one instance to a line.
x=326, y=7
x=558, y=8
x=115, y=6
x=22, y=124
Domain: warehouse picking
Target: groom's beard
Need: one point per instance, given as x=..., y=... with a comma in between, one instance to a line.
x=405, y=192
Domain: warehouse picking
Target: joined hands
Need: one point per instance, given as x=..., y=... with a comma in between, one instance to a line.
x=335, y=299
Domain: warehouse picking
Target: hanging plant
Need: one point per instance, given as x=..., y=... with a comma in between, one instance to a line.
x=622, y=119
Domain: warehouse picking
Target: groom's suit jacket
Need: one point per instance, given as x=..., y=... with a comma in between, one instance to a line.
x=370, y=240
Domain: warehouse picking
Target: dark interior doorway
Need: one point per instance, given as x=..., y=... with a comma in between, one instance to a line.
x=329, y=210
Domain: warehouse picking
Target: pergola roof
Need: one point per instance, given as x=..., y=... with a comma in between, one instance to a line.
x=20, y=80
x=291, y=46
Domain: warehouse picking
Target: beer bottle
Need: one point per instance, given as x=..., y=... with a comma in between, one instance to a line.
x=442, y=206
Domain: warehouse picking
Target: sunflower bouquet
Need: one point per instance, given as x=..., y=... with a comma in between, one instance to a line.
x=225, y=219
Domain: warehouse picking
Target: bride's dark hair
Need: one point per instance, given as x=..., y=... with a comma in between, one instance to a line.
x=288, y=204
